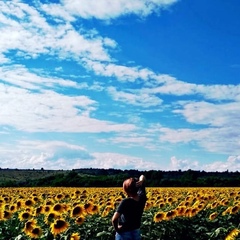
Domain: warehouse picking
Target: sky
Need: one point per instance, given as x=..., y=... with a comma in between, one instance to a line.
x=143, y=84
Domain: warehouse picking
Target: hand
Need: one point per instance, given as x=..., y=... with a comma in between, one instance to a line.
x=142, y=179
x=119, y=228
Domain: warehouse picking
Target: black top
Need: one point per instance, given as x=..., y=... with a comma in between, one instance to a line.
x=131, y=211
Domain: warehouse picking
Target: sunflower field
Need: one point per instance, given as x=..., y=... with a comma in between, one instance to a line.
x=85, y=213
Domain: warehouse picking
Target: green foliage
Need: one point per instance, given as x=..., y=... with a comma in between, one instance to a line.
x=181, y=228
x=114, y=178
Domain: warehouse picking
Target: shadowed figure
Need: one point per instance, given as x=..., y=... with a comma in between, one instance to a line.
x=127, y=218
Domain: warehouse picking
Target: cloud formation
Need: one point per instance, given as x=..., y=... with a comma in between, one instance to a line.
x=60, y=75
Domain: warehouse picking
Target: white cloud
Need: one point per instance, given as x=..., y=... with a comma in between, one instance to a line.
x=122, y=73
x=50, y=111
x=3, y=59
x=232, y=163
x=57, y=11
x=181, y=135
x=137, y=98
x=62, y=155
x=131, y=140
x=121, y=161
x=107, y=9
x=166, y=84
x=60, y=39
x=183, y=164
x=220, y=92
x=221, y=114
x=218, y=140
x=20, y=76
x=174, y=87
x=38, y=154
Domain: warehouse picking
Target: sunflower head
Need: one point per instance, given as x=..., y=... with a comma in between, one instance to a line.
x=29, y=225
x=51, y=216
x=59, y=226
x=234, y=209
x=75, y=236
x=159, y=216
x=213, y=216
x=35, y=232
x=5, y=215
x=25, y=216
x=77, y=211
x=88, y=207
x=29, y=203
x=79, y=220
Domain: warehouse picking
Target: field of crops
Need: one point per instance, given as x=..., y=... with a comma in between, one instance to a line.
x=77, y=213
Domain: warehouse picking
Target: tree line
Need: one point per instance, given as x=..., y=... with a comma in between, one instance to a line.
x=92, y=177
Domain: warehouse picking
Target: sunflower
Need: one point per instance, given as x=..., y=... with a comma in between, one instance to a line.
x=214, y=205
x=19, y=204
x=88, y=207
x=79, y=220
x=58, y=208
x=161, y=204
x=187, y=212
x=28, y=203
x=51, y=216
x=36, y=199
x=78, y=193
x=29, y=225
x=39, y=210
x=224, y=202
x=148, y=205
x=193, y=212
x=75, y=236
x=234, y=209
x=180, y=211
x=49, y=202
x=159, y=216
x=233, y=234
x=7, y=199
x=94, y=209
x=4, y=215
x=201, y=206
x=106, y=211
x=187, y=203
x=59, y=226
x=213, y=216
x=77, y=211
x=6, y=206
x=24, y=216
x=227, y=211
x=47, y=209
x=59, y=196
x=110, y=204
x=36, y=232
x=170, y=214
x=13, y=208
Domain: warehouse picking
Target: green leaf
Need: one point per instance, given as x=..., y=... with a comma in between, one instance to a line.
x=103, y=233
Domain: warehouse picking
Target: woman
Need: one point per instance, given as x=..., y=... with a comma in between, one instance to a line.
x=127, y=218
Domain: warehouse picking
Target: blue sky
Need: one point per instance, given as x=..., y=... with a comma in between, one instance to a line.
x=144, y=84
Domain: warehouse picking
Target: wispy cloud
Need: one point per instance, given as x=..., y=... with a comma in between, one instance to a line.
x=104, y=9
x=60, y=75
x=61, y=155
x=230, y=164
x=136, y=98
x=50, y=111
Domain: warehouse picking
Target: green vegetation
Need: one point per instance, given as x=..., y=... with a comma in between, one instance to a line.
x=90, y=177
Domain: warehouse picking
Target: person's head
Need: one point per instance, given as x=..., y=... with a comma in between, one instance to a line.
x=130, y=187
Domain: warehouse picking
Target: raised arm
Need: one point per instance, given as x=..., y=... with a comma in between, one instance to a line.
x=141, y=181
